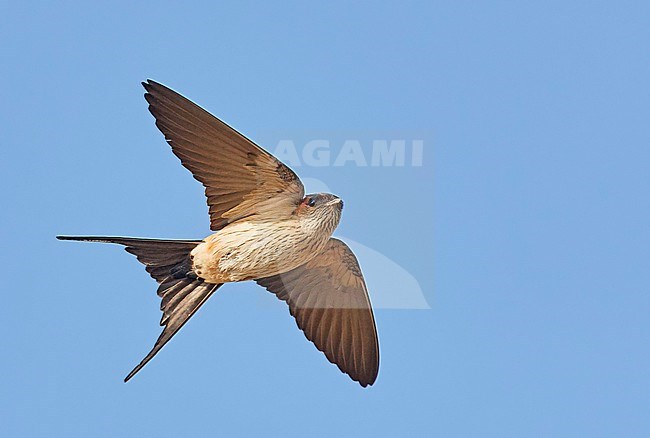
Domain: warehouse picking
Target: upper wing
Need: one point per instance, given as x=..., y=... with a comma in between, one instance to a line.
x=240, y=178
x=329, y=300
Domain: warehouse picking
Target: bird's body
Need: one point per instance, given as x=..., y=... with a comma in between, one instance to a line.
x=266, y=230
x=250, y=249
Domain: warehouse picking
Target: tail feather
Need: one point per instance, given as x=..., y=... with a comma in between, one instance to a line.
x=159, y=256
x=181, y=291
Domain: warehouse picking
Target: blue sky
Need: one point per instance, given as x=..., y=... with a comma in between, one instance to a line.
x=525, y=228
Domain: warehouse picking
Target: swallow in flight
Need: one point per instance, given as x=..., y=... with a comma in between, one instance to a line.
x=265, y=229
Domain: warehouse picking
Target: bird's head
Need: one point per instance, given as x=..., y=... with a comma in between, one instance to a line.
x=322, y=210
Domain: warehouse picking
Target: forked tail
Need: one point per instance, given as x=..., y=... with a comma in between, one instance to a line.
x=181, y=291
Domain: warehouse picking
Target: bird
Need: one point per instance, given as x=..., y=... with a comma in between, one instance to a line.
x=264, y=229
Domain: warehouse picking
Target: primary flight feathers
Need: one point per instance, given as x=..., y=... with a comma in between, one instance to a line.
x=240, y=178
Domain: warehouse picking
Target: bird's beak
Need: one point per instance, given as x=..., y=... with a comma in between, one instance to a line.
x=336, y=203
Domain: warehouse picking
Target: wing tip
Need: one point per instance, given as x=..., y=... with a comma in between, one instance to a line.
x=149, y=82
x=153, y=86
x=150, y=87
x=367, y=382
x=364, y=379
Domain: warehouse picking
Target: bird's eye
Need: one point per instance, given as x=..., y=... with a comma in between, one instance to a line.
x=311, y=202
